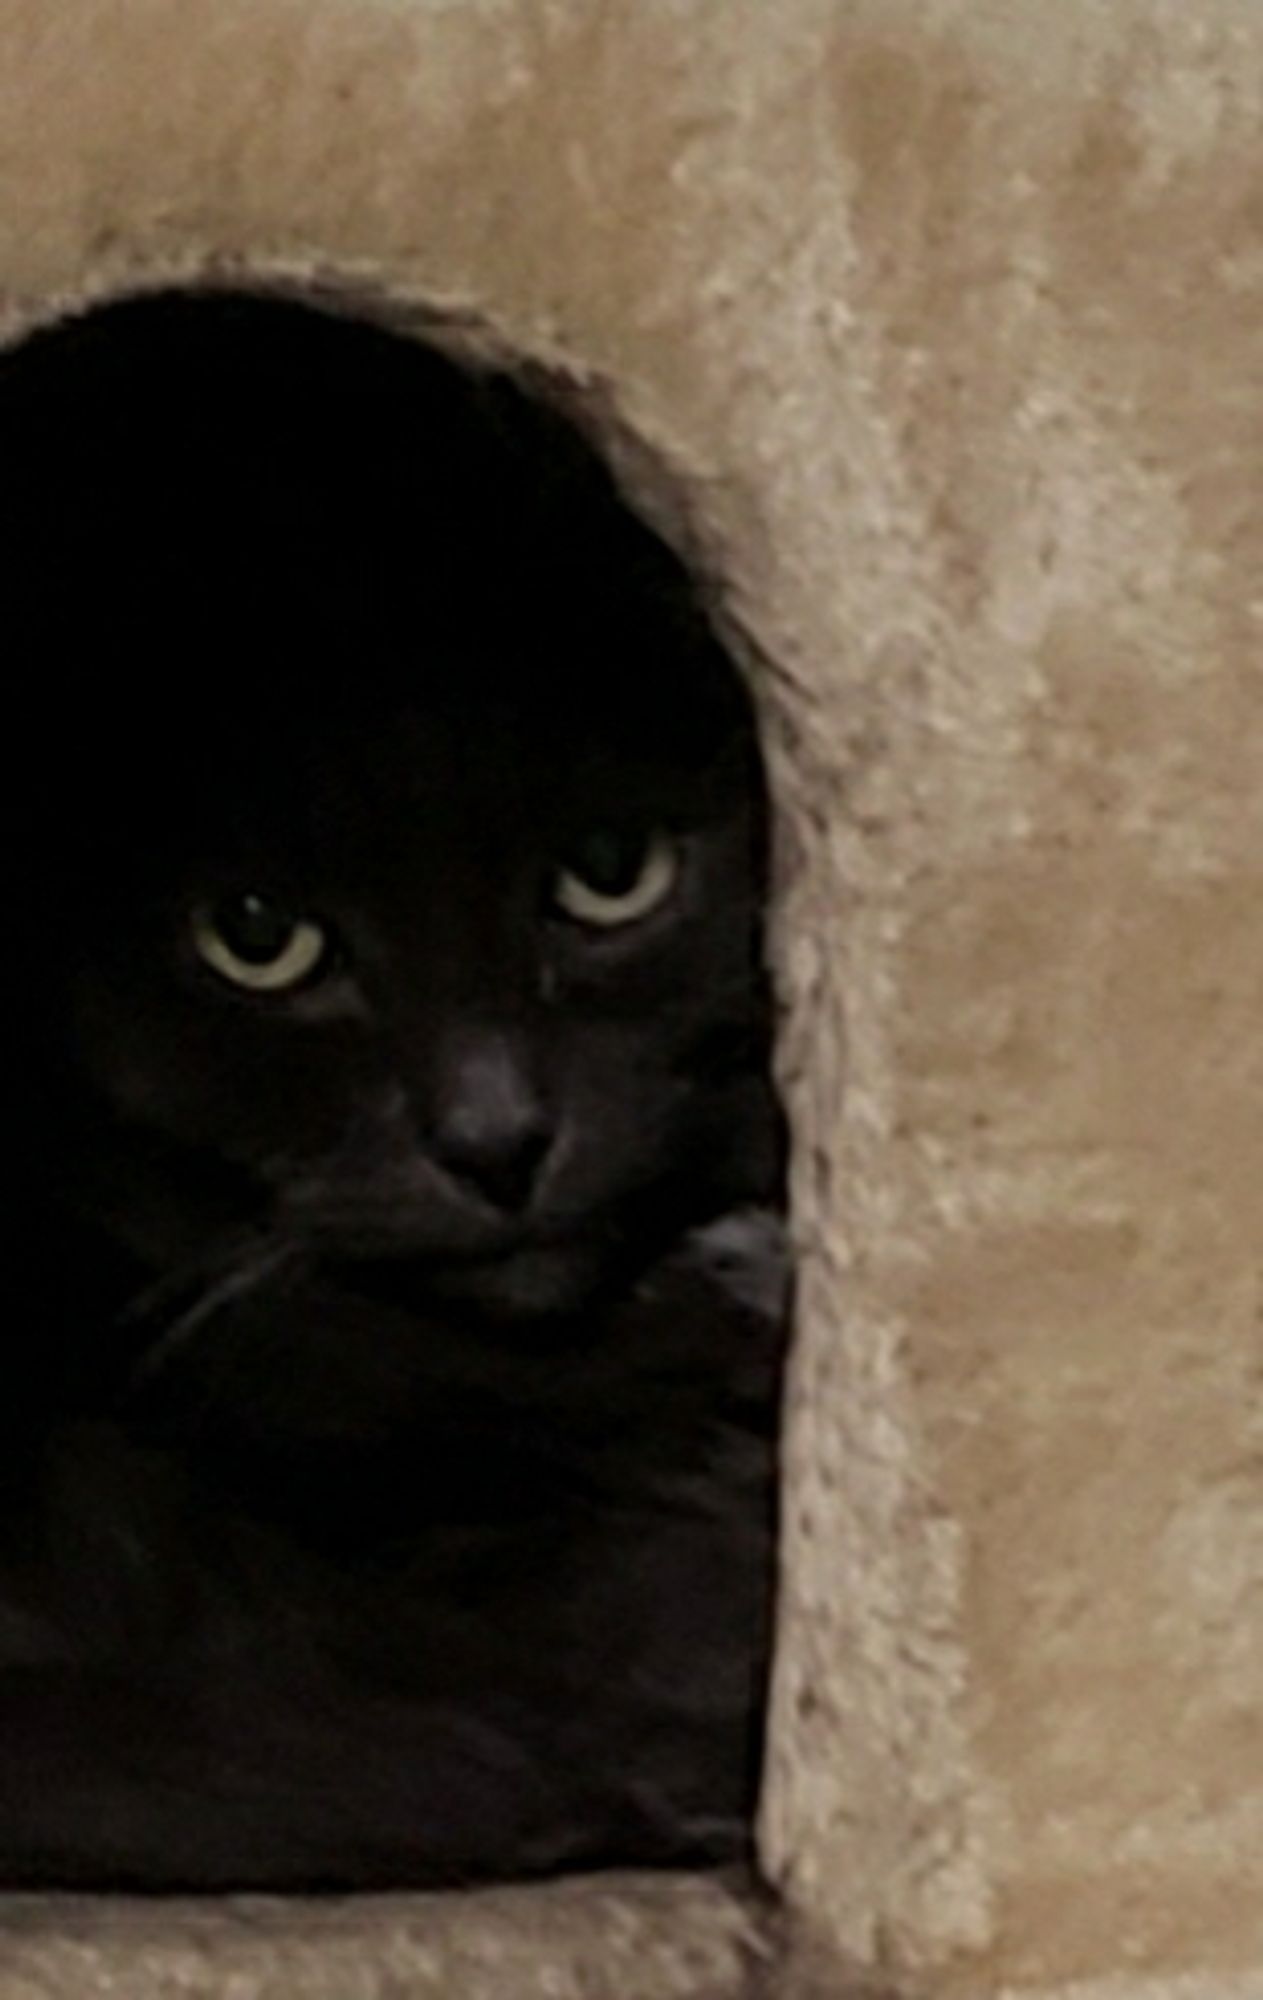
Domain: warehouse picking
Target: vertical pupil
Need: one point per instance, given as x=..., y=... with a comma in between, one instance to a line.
x=610, y=861
x=256, y=930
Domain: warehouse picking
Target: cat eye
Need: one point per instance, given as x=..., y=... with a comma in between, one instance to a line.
x=256, y=944
x=612, y=877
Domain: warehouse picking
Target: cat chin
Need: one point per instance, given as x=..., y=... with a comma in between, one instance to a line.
x=526, y=1287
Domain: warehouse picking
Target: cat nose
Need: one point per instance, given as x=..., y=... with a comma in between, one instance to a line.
x=491, y=1130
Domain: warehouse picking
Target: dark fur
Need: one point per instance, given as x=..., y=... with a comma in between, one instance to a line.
x=366, y=1518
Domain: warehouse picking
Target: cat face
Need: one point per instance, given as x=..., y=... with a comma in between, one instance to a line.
x=469, y=993
x=407, y=915
x=400, y=837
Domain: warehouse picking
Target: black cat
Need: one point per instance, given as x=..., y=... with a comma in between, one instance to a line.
x=396, y=1288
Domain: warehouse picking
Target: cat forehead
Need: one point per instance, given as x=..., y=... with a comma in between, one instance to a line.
x=411, y=785
x=460, y=730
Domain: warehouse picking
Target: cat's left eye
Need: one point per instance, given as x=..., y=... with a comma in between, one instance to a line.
x=613, y=878
x=257, y=944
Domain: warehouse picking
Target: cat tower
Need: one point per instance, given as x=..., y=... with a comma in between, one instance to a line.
x=933, y=329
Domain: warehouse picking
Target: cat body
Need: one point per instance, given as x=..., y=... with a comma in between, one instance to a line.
x=396, y=1280
x=527, y=1632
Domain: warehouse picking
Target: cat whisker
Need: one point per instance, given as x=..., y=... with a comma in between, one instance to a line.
x=236, y=1277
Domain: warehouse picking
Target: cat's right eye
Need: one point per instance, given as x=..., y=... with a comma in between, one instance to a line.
x=257, y=944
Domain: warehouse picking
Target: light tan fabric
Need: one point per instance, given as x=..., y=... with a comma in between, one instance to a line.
x=938, y=326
